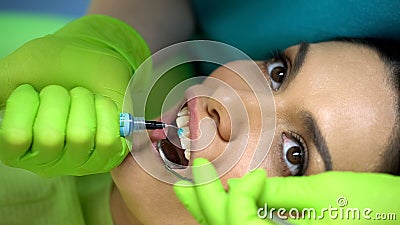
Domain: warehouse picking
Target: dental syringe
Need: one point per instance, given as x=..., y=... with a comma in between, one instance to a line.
x=128, y=124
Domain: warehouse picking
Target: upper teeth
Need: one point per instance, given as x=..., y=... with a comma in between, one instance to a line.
x=182, y=121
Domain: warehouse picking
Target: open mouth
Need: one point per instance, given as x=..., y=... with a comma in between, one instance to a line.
x=175, y=149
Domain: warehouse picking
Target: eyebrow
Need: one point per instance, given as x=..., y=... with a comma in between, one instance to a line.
x=307, y=118
x=298, y=61
x=319, y=141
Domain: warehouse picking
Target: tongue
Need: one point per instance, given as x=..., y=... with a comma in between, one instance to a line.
x=173, y=153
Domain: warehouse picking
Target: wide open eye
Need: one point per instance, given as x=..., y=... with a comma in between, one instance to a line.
x=295, y=153
x=277, y=70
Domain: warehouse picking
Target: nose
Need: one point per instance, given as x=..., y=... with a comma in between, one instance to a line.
x=235, y=112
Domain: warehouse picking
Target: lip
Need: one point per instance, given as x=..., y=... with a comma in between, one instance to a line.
x=193, y=108
x=157, y=135
x=168, y=117
x=193, y=118
x=192, y=102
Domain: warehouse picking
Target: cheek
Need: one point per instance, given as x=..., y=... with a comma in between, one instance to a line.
x=272, y=162
x=230, y=77
x=129, y=177
x=146, y=196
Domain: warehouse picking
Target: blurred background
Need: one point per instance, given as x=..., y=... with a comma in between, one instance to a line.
x=23, y=20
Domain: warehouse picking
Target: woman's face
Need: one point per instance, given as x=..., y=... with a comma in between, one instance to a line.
x=334, y=111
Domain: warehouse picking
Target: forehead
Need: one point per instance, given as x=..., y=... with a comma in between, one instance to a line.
x=344, y=86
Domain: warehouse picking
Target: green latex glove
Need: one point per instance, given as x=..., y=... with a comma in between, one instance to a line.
x=247, y=196
x=67, y=91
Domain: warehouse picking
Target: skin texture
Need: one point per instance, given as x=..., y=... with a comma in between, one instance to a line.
x=343, y=86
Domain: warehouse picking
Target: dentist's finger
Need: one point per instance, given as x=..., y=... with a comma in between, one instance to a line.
x=81, y=127
x=16, y=132
x=186, y=193
x=306, y=192
x=49, y=127
x=210, y=192
x=110, y=149
x=243, y=197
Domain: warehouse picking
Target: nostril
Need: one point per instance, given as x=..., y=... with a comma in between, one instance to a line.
x=221, y=118
x=224, y=129
x=215, y=116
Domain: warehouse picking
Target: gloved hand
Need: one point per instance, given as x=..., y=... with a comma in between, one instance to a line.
x=81, y=73
x=250, y=199
x=207, y=200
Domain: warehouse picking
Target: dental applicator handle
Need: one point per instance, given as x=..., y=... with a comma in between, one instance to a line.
x=129, y=124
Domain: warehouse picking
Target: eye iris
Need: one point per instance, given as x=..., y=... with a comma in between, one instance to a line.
x=295, y=155
x=278, y=74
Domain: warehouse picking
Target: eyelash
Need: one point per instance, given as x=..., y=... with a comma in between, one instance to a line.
x=299, y=140
x=280, y=55
x=277, y=74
